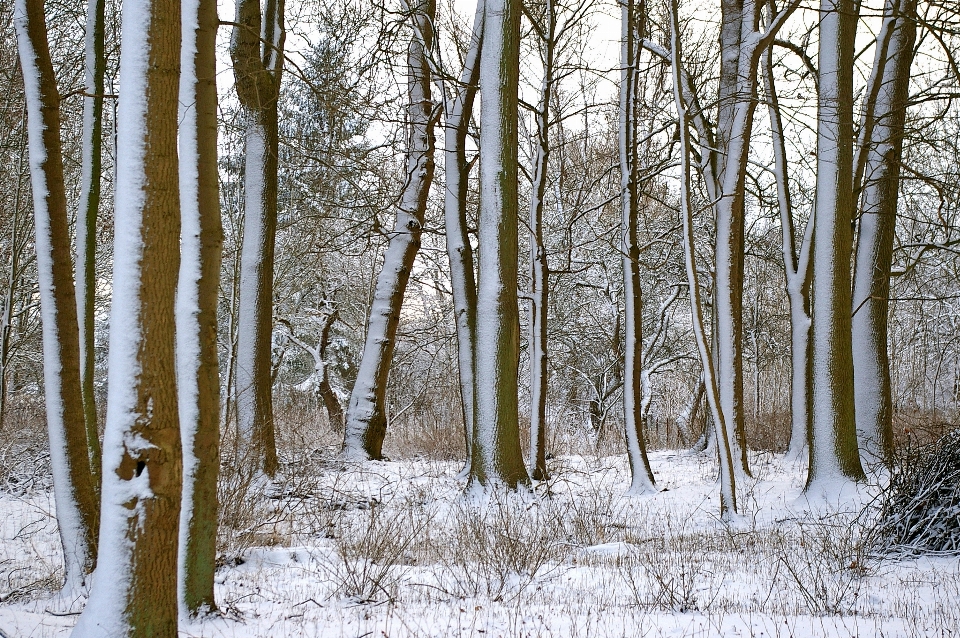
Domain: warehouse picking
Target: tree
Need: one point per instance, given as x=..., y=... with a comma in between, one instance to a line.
x=797, y=266
x=73, y=480
x=833, y=437
x=728, y=486
x=135, y=592
x=256, y=49
x=95, y=64
x=497, y=458
x=201, y=242
x=366, y=421
x=631, y=32
x=457, y=110
x=879, y=158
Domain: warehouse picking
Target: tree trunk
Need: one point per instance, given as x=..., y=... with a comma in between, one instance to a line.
x=797, y=268
x=135, y=592
x=457, y=112
x=497, y=458
x=201, y=246
x=641, y=475
x=257, y=68
x=728, y=490
x=366, y=423
x=833, y=444
x=72, y=478
x=874, y=254
x=539, y=269
x=91, y=161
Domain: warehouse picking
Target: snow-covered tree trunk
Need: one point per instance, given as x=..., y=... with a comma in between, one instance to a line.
x=497, y=458
x=201, y=244
x=95, y=64
x=457, y=112
x=257, y=52
x=797, y=268
x=135, y=589
x=874, y=253
x=728, y=491
x=73, y=486
x=833, y=440
x=641, y=475
x=736, y=98
x=366, y=422
x=539, y=268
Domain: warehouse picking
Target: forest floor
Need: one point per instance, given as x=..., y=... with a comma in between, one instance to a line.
x=389, y=549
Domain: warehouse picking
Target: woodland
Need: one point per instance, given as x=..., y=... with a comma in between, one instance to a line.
x=494, y=318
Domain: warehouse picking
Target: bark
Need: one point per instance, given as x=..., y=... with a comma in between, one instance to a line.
x=641, y=475
x=833, y=437
x=728, y=491
x=797, y=267
x=256, y=49
x=198, y=362
x=366, y=422
x=874, y=251
x=73, y=486
x=91, y=162
x=497, y=458
x=539, y=268
x=135, y=592
x=457, y=113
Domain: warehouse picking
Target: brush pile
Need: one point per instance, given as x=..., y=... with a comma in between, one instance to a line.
x=920, y=512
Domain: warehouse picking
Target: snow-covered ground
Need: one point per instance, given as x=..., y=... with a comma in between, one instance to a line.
x=395, y=549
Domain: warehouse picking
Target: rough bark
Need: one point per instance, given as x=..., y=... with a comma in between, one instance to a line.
x=256, y=49
x=135, y=591
x=201, y=246
x=366, y=422
x=497, y=458
x=874, y=251
x=833, y=437
x=73, y=486
x=641, y=475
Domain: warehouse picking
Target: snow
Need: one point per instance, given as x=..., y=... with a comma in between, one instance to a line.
x=606, y=572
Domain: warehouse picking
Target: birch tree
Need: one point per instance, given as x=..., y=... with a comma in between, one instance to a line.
x=135, y=591
x=496, y=454
x=879, y=159
x=366, y=420
x=833, y=437
x=256, y=48
x=73, y=485
x=201, y=241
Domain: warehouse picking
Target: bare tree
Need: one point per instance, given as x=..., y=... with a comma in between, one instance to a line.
x=497, y=457
x=257, y=52
x=366, y=421
x=73, y=480
x=135, y=592
x=201, y=244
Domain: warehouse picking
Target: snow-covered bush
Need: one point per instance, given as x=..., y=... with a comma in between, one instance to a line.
x=920, y=510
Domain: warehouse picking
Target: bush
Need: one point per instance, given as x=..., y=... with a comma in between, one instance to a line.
x=920, y=510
